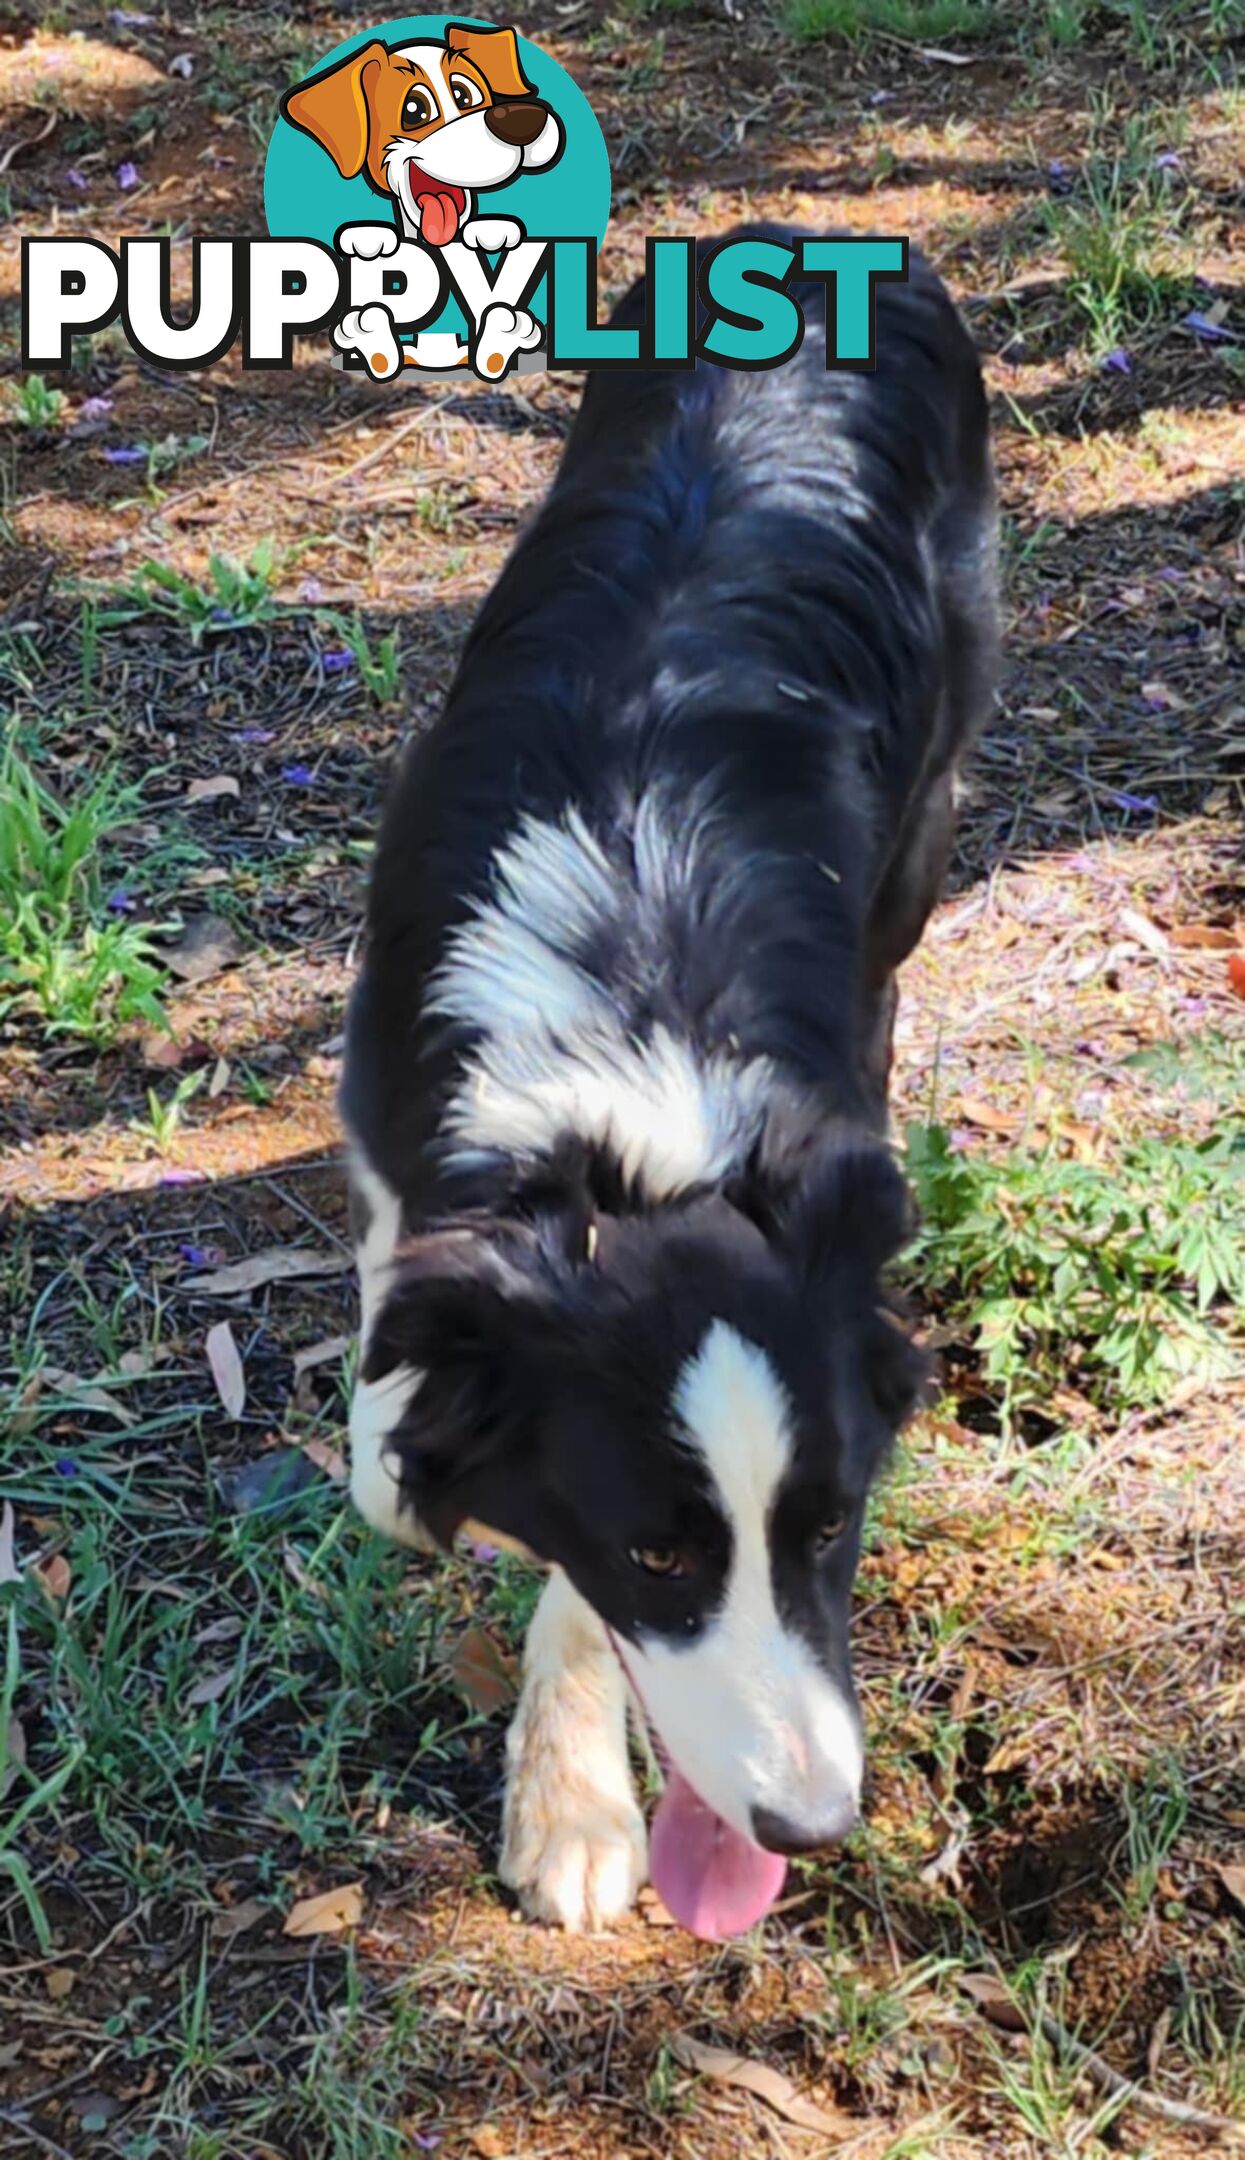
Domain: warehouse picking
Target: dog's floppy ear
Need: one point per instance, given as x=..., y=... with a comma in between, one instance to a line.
x=333, y=107
x=466, y=1310
x=496, y=54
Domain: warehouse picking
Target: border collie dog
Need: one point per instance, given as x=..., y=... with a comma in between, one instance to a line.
x=615, y=1082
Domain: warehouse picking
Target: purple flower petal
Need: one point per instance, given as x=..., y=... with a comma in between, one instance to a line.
x=127, y=175
x=67, y=1467
x=1202, y=326
x=124, y=20
x=298, y=775
x=427, y=2140
x=124, y=457
x=482, y=1552
x=120, y=902
x=1119, y=362
x=254, y=735
x=1131, y=802
x=312, y=591
x=75, y=178
x=94, y=408
x=336, y=663
x=1167, y=161
x=183, y=1177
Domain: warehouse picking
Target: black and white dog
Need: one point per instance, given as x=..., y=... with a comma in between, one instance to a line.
x=615, y=1082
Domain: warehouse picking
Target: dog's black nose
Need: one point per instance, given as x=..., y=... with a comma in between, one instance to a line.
x=517, y=125
x=777, y=1835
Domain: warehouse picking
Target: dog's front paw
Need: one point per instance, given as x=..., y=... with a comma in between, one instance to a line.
x=491, y=234
x=367, y=241
x=369, y=331
x=579, y=1867
x=503, y=332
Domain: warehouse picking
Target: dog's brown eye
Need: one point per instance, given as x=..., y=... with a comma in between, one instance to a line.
x=418, y=109
x=467, y=95
x=658, y=1559
x=830, y=1532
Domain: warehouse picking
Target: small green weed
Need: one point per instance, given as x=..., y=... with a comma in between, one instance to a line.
x=164, y=1117
x=1112, y=1274
x=60, y=954
x=379, y=665
x=856, y=20
x=34, y=405
x=1118, y=235
x=235, y=596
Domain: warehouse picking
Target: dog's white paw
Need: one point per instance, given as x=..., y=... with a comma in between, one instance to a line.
x=490, y=234
x=503, y=332
x=369, y=331
x=579, y=1869
x=368, y=241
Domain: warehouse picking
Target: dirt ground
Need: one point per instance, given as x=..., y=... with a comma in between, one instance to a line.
x=222, y=1697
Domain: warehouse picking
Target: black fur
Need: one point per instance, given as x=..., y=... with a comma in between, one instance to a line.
x=765, y=601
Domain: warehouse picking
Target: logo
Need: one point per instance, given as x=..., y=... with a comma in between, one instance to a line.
x=435, y=193
x=440, y=159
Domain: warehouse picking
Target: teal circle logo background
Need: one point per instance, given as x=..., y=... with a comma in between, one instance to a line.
x=305, y=197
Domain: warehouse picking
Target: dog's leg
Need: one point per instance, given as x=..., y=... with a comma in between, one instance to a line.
x=574, y=1844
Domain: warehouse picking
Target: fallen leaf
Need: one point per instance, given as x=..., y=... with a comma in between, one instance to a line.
x=1205, y=937
x=226, y=1362
x=236, y=1919
x=994, y=2000
x=298, y=1571
x=55, y=1575
x=9, y=1569
x=208, y=790
x=948, y=59
x=329, y=1913
x=207, y=945
x=1232, y=1876
x=1159, y=694
x=1236, y=973
x=1145, y=932
x=984, y=1114
x=272, y=1481
x=220, y=1078
x=281, y=1264
x=59, y=1982
x=483, y=1672
x=209, y=1689
x=87, y=1392
x=723, y=2067
x=163, y=1053
x=320, y=1353
x=14, y=1754
x=326, y=1458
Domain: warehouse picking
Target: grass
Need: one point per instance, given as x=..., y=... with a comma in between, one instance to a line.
x=234, y=596
x=61, y=956
x=1123, y=1277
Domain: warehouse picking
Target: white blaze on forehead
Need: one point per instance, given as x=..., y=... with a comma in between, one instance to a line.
x=747, y=1712
x=736, y=1414
x=557, y=1055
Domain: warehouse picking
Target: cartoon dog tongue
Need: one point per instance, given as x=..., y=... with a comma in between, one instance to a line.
x=713, y=1881
x=438, y=216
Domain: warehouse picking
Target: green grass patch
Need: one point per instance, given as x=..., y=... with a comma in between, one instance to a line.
x=1118, y=1278
x=61, y=955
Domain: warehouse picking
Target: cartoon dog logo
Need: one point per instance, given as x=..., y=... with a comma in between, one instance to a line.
x=432, y=126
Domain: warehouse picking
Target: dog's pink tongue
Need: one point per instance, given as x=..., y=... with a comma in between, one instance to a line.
x=713, y=1881
x=438, y=219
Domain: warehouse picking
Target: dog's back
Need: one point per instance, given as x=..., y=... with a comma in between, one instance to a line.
x=744, y=641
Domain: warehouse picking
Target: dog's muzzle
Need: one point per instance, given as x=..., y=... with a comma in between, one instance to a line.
x=516, y=125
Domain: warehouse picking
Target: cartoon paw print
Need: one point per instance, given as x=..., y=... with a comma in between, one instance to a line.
x=369, y=332
x=503, y=332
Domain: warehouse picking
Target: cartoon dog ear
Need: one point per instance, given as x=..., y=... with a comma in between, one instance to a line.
x=333, y=107
x=496, y=54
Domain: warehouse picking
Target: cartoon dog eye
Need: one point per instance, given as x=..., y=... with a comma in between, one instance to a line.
x=418, y=108
x=467, y=94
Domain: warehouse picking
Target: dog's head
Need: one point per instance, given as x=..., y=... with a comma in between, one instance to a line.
x=430, y=124
x=685, y=1411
